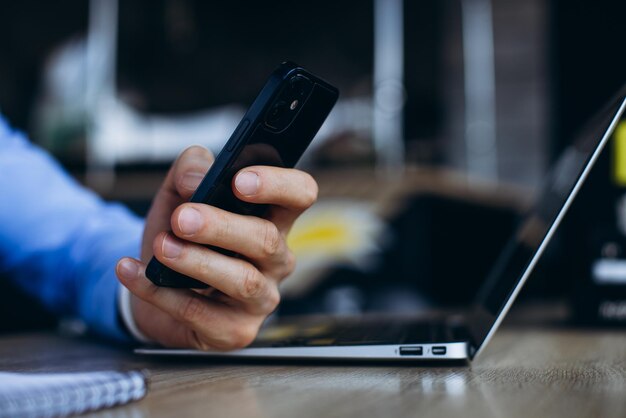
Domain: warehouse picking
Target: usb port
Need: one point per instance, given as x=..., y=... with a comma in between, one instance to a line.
x=439, y=351
x=411, y=351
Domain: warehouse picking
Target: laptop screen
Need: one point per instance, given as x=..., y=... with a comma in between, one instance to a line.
x=534, y=232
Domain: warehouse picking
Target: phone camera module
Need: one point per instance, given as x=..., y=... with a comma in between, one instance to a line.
x=276, y=111
x=300, y=87
x=289, y=103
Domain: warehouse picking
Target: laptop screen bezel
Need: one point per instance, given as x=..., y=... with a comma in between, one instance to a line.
x=483, y=319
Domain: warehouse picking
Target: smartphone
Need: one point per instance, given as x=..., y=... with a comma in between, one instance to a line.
x=276, y=130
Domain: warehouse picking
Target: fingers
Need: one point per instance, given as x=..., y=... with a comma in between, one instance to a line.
x=289, y=188
x=234, y=277
x=181, y=181
x=189, y=170
x=259, y=240
x=289, y=191
x=212, y=325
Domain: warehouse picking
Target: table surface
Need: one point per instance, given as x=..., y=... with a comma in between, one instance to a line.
x=525, y=372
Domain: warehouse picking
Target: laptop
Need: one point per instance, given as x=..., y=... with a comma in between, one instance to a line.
x=442, y=337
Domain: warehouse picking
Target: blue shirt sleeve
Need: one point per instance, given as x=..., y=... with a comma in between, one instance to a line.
x=59, y=241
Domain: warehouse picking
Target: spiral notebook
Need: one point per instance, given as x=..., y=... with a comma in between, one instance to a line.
x=64, y=394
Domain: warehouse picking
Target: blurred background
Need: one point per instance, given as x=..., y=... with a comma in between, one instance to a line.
x=451, y=113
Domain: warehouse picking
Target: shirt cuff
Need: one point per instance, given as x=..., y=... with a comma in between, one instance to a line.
x=126, y=314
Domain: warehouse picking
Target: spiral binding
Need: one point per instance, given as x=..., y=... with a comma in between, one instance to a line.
x=63, y=394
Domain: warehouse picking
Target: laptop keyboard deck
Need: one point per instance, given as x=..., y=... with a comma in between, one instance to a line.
x=366, y=331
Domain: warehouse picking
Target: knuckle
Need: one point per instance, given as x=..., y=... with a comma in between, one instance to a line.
x=204, y=266
x=221, y=227
x=272, y=240
x=273, y=300
x=242, y=336
x=251, y=283
x=238, y=336
x=191, y=309
x=224, y=341
x=311, y=190
x=290, y=263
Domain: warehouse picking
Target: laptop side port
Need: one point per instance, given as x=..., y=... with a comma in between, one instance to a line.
x=411, y=351
x=439, y=350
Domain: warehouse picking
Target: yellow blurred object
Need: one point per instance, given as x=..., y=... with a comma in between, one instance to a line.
x=277, y=333
x=327, y=234
x=333, y=232
x=619, y=161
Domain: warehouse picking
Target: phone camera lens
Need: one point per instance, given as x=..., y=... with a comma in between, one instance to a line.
x=286, y=108
x=277, y=111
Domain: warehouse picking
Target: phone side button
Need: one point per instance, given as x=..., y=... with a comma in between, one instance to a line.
x=241, y=129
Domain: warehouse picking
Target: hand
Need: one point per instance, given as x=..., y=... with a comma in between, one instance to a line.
x=242, y=291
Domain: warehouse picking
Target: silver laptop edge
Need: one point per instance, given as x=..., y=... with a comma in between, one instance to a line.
x=412, y=352
x=444, y=351
x=553, y=228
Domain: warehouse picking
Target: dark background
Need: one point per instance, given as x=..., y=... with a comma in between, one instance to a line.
x=221, y=52
x=177, y=57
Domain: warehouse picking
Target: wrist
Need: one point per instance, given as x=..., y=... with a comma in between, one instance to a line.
x=128, y=319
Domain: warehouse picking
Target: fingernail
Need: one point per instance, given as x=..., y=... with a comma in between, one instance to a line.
x=171, y=247
x=128, y=268
x=189, y=221
x=247, y=183
x=191, y=181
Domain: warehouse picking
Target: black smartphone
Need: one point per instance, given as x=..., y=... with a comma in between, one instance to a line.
x=276, y=130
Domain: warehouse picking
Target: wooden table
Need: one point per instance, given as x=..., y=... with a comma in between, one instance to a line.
x=525, y=372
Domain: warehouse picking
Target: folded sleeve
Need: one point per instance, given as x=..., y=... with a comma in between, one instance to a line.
x=58, y=240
